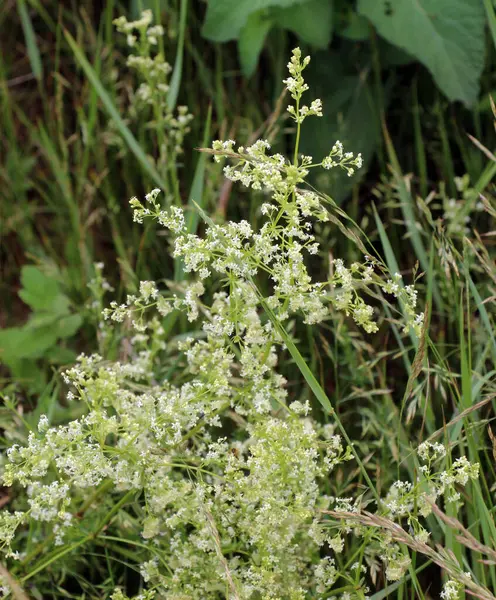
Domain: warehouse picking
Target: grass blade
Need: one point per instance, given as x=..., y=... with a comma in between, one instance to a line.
x=30, y=37
x=391, y=261
x=483, y=313
x=175, y=81
x=113, y=113
x=491, y=19
x=196, y=193
x=407, y=207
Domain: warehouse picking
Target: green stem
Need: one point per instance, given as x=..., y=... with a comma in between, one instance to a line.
x=298, y=130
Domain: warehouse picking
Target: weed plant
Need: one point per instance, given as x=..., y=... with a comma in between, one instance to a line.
x=272, y=417
x=190, y=452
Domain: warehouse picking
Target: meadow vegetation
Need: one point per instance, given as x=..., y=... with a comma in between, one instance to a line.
x=242, y=358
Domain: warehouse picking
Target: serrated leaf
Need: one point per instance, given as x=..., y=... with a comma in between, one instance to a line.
x=447, y=36
x=311, y=21
x=10, y=341
x=251, y=40
x=38, y=336
x=225, y=19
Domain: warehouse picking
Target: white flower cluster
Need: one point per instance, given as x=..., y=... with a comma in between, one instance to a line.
x=408, y=298
x=154, y=72
x=346, y=160
x=405, y=500
x=237, y=513
x=459, y=212
x=451, y=590
x=255, y=494
x=403, y=496
x=280, y=246
x=397, y=562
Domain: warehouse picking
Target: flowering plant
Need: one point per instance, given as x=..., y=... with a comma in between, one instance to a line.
x=189, y=450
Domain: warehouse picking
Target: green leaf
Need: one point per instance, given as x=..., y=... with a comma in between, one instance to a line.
x=68, y=326
x=27, y=372
x=393, y=56
x=447, y=36
x=60, y=355
x=41, y=292
x=225, y=19
x=356, y=28
x=30, y=37
x=17, y=343
x=491, y=18
x=175, y=81
x=251, y=40
x=49, y=321
x=312, y=21
x=37, y=338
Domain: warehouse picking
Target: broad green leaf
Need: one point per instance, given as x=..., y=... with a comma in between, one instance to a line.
x=60, y=355
x=38, y=336
x=393, y=56
x=357, y=28
x=491, y=18
x=311, y=21
x=10, y=340
x=67, y=326
x=225, y=19
x=25, y=342
x=27, y=372
x=41, y=292
x=447, y=36
x=251, y=40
